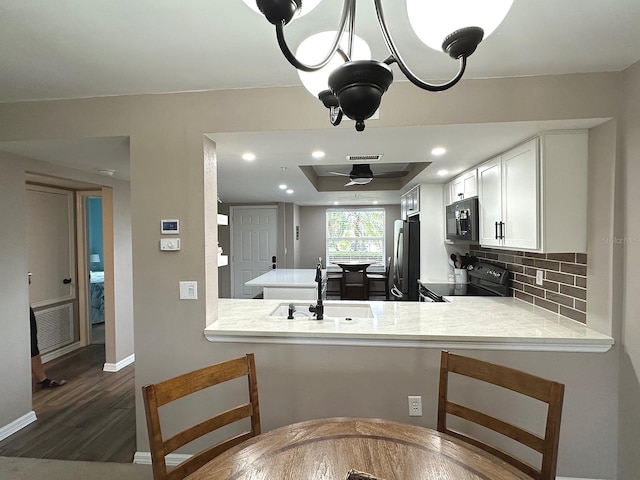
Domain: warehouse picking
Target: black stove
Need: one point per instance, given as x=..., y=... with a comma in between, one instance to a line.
x=485, y=280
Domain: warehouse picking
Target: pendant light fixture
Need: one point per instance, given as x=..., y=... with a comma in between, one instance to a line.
x=355, y=85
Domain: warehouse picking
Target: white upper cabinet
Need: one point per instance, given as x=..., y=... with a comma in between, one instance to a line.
x=534, y=196
x=410, y=203
x=490, y=201
x=463, y=186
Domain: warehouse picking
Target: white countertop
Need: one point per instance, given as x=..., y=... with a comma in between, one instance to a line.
x=286, y=277
x=463, y=322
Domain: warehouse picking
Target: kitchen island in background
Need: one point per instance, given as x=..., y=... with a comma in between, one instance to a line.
x=288, y=284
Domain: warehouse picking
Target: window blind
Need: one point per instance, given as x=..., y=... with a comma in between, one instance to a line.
x=356, y=235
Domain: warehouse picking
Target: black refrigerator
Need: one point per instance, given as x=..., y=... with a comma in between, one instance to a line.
x=406, y=260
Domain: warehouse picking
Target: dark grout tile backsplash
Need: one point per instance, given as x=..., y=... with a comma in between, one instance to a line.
x=564, y=288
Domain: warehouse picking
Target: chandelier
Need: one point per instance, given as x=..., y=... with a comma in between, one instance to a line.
x=353, y=86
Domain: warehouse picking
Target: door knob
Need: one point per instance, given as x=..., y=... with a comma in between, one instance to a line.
x=66, y=281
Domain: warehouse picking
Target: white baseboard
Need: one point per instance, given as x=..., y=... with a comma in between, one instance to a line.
x=47, y=357
x=173, y=459
x=577, y=478
x=17, y=424
x=114, y=367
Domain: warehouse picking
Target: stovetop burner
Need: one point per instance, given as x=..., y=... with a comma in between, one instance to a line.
x=485, y=280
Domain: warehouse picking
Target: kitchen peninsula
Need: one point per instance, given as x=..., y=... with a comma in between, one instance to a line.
x=461, y=322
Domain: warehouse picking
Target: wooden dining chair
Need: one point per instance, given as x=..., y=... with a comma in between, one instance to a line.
x=375, y=278
x=159, y=394
x=547, y=391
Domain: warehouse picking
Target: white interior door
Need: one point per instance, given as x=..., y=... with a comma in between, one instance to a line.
x=52, y=263
x=253, y=246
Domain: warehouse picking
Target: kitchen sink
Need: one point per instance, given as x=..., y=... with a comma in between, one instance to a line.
x=332, y=310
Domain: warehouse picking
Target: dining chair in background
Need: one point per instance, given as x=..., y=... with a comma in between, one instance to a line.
x=547, y=391
x=159, y=394
x=334, y=282
x=354, y=285
x=375, y=278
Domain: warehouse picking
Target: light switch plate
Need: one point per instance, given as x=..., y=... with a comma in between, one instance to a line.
x=188, y=290
x=170, y=244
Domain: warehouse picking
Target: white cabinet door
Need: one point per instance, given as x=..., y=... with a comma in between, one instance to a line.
x=457, y=190
x=490, y=204
x=410, y=203
x=520, y=196
x=470, y=184
x=463, y=186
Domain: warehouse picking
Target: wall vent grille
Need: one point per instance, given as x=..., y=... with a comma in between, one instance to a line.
x=364, y=158
x=55, y=327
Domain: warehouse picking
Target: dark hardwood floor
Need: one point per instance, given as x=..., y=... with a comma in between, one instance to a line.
x=92, y=418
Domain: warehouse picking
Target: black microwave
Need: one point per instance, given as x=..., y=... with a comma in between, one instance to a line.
x=462, y=220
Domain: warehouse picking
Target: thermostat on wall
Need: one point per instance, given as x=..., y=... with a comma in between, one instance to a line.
x=170, y=226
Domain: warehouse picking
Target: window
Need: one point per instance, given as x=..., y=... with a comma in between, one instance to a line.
x=355, y=235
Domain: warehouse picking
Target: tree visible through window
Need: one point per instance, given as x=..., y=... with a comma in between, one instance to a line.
x=355, y=235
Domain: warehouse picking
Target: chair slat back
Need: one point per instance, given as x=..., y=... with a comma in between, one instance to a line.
x=164, y=392
x=547, y=391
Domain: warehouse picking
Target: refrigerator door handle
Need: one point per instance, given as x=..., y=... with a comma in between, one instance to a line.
x=395, y=292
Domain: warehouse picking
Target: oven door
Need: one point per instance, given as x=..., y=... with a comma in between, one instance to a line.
x=425, y=295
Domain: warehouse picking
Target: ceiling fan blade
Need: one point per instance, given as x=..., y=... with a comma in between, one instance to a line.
x=339, y=173
x=349, y=184
x=396, y=174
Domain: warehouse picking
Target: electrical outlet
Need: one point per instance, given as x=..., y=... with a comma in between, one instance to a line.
x=539, y=277
x=415, y=406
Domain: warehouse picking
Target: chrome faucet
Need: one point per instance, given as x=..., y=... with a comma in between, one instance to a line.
x=318, y=308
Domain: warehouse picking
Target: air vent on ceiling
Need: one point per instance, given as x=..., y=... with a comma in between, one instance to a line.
x=364, y=158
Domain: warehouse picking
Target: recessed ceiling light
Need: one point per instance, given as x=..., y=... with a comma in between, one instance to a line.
x=375, y=202
x=290, y=191
x=336, y=203
x=436, y=152
x=249, y=157
x=442, y=173
x=317, y=154
x=282, y=186
x=106, y=172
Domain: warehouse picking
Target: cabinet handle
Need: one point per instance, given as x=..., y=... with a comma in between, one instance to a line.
x=502, y=230
x=496, y=230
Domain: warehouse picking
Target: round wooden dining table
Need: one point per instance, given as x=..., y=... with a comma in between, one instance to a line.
x=327, y=449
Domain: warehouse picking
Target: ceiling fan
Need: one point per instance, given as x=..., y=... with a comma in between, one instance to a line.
x=361, y=174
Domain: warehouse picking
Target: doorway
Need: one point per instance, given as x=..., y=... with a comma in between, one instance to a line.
x=52, y=263
x=254, y=244
x=94, y=256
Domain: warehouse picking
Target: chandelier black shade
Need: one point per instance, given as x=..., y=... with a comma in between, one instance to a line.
x=279, y=11
x=358, y=85
x=355, y=88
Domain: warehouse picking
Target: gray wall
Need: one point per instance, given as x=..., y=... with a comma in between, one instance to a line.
x=313, y=232
x=15, y=370
x=628, y=255
x=305, y=382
